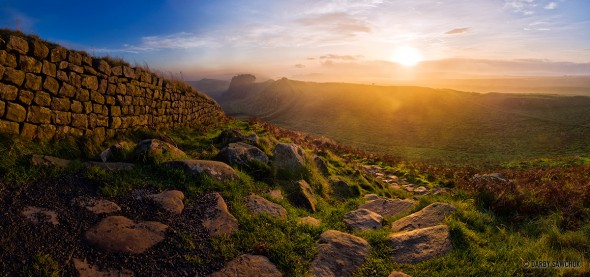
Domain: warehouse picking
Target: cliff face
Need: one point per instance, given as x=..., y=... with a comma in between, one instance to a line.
x=47, y=91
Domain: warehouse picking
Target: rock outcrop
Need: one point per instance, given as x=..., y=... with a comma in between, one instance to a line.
x=259, y=205
x=431, y=215
x=289, y=158
x=389, y=207
x=216, y=170
x=339, y=254
x=421, y=244
x=362, y=220
x=249, y=266
x=218, y=220
x=240, y=153
x=170, y=200
x=155, y=150
x=304, y=196
x=121, y=234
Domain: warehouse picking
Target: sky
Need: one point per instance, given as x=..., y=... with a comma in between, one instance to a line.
x=321, y=40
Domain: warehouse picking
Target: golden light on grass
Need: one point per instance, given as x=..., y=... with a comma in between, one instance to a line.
x=407, y=56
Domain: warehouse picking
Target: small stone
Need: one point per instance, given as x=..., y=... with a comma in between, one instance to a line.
x=421, y=244
x=96, y=206
x=309, y=221
x=170, y=200
x=276, y=194
x=362, y=220
x=218, y=220
x=120, y=234
x=38, y=215
x=371, y=197
x=259, y=205
x=249, y=266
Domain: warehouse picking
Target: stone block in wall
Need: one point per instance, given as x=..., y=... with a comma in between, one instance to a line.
x=75, y=79
x=49, y=69
x=90, y=82
x=83, y=95
x=76, y=107
x=80, y=120
x=97, y=108
x=63, y=65
x=2, y=108
x=102, y=86
x=110, y=100
x=87, y=107
x=7, y=59
x=121, y=89
x=60, y=104
x=58, y=54
x=51, y=85
x=25, y=96
x=102, y=121
x=99, y=135
x=33, y=82
x=115, y=122
x=96, y=97
x=128, y=72
x=61, y=118
x=1, y=71
x=111, y=133
x=74, y=57
x=115, y=111
x=40, y=50
x=67, y=90
x=9, y=127
x=42, y=99
x=102, y=66
x=29, y=131
x=39, y=115
x=111, y=89
x=29, y=64
x=17, y=44
x=15, y=112
x=128, y=100
x=76, y=68
x=14, y=76
x=62, y=131
x=63, y=76
x=113, y=80
x=76, y=132
x=8, y=92
x=89, y=70
x=92, y=120
x=86, y=59
x=117, y=70
x=45, y=132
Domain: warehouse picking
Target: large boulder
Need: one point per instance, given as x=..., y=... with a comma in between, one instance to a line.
x=153, y=150
x=121, y=234
x=96, y=206
x=116, y=152
x=389, y=207
x=421, y=244
x=240, y=153
x=216, y=170
x=362, y=220
x=339, y=254
x=431, y=215
x=289, y=158
x=232, y=136
x=218, y=220
x=303, y=195
x=249, y=266
x=259, y=205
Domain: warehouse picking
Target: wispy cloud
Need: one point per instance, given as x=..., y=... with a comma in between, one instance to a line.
x=340, y=57
x=342, y=23
x=525, y=7
x=300, y=65
x=457, y=31
x=551, y=6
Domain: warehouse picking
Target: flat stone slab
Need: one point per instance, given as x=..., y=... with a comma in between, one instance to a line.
x=86, y=270
x=389, y=207
x=218, y=220
x=118, y=166
x=421, y=244
x=38, y=215
x=431, y=215
x=309, y=221
x=249, y=266
x=214, y=169
x=96, y=206
x=170, y=200
x=362, y=220
x=259, y=205
x=121, y=234
x=398, y=274
x=43, y=160
x=339, y=254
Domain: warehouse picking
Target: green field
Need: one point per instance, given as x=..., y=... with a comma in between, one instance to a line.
x=425, y=124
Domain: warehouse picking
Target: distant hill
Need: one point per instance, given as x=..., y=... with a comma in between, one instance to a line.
x=421, y=123
x=212, y=87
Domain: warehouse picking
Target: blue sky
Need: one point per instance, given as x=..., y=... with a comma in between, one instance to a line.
x=324, y=40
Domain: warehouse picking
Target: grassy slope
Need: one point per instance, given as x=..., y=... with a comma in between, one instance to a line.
x=427, y=124
x=487, y=241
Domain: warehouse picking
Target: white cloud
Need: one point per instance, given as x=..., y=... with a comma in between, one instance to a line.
x=525, y=7
x=550, y=6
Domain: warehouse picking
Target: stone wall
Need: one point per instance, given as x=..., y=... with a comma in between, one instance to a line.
x=48, y=91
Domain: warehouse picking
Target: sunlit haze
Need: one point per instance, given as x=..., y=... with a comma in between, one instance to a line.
x=373, y=41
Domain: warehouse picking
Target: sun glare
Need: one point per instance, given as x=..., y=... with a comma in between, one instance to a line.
x=407, y=56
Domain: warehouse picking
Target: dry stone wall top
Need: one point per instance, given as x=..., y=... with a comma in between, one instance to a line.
x=47, y=91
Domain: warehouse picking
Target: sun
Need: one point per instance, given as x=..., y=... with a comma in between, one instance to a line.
x=407, y=56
